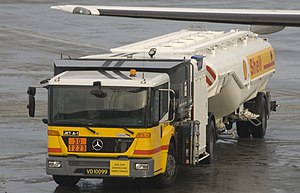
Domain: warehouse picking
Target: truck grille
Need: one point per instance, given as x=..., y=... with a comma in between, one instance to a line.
x=101, y=145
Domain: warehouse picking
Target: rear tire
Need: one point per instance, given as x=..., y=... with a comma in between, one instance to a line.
x=66, y=180
x=169, y=176
x=243, y=129
x=262, y=110
x=210, y=140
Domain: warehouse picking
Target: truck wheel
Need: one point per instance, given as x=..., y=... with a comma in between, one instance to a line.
x=66, y=180
x=210, y=140
x=169, y=176
x=243, y=129
x=261, y=110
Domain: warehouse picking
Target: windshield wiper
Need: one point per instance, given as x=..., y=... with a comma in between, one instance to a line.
x=131, y=132
x=94, y=132
x=91, y=130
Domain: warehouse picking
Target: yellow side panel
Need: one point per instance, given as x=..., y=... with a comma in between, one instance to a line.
x=168, y=132
x=54, y=146
x=156, y=147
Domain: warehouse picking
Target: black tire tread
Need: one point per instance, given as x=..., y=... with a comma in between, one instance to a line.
x=66, y=180
x=210, y=135
x=261, y=109
x=243, y=129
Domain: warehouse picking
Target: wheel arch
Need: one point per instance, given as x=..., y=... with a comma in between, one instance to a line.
x=173, y=141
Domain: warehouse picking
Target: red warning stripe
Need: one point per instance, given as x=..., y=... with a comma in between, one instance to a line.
x=269, y=65
x=151, y=151
x=54, y=150
x=211, y=72
x=210, y=79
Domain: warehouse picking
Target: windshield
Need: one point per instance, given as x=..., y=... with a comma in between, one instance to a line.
x=117, y=107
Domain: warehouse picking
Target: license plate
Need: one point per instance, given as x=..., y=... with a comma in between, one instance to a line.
x=76, y=144
x=96, y=171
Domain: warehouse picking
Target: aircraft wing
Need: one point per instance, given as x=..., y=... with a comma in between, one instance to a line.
x=236, y=16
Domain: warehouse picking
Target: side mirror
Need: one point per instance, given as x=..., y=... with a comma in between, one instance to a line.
x=31, y=105
x=31, y=91
x=45, y=121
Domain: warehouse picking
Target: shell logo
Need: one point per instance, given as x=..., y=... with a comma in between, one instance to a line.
x=261, y=62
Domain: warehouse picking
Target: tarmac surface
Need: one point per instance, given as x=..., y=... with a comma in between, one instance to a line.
x=32, y=36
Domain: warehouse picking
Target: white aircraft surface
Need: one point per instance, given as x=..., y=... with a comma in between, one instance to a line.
x=237, y=16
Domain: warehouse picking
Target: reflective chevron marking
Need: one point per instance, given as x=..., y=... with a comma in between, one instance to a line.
x=210, y=76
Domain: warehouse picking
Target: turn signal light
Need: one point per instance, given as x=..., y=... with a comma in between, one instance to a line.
x=53, y=133
x=143, y=135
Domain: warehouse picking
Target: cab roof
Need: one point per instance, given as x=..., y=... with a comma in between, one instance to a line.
x=110, y=78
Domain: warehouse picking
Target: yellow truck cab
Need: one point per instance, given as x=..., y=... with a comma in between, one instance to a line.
x=122, y=118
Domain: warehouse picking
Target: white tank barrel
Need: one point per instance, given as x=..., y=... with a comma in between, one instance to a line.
x=239, y=64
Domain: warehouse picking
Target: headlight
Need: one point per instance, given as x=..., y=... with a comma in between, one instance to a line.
x=54, y=164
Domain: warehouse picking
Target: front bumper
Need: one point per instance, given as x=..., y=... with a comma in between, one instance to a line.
x=100, y=167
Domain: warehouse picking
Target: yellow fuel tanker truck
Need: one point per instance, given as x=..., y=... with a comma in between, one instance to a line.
x=148, y=107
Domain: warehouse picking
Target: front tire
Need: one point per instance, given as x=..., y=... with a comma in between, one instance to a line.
x=66, y=180
x=169, y=176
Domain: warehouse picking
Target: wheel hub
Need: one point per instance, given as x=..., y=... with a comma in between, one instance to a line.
x=171, y=165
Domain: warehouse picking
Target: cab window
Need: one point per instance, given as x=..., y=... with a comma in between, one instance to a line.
x=160, y=103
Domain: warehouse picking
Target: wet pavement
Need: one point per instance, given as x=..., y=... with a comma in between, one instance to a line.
x=32, y=36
